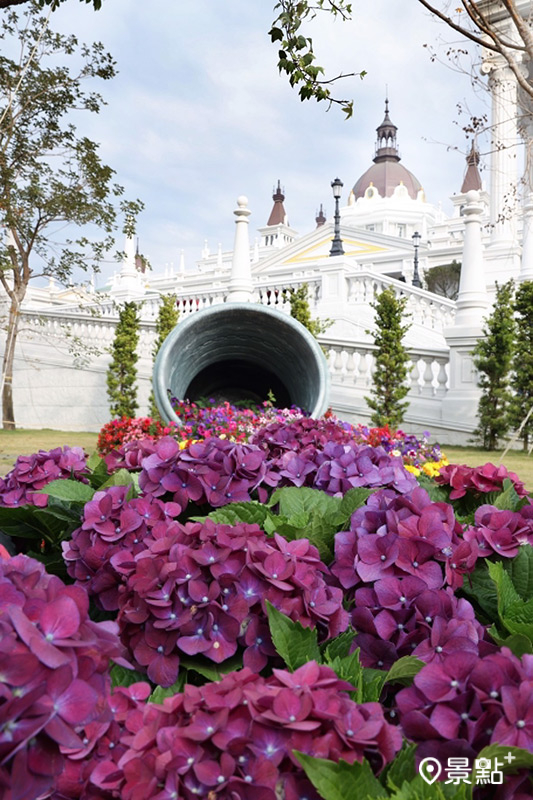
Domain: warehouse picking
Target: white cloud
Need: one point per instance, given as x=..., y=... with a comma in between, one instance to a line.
x=199, y=115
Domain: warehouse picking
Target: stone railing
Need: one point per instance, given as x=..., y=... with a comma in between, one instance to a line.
x=352, y=365
x=276, y=292
x=425, y=308
x=189, y=303
x=67, y=326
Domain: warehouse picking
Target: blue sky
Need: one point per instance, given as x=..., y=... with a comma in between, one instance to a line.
x=199, y=115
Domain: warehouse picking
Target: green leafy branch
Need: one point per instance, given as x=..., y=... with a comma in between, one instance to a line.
x=296, y=56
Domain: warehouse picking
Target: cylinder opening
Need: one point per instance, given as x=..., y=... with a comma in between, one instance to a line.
x=241, y=352
x=239, y=382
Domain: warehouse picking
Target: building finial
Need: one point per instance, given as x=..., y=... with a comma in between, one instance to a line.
x=320, y=218
x=386, y=146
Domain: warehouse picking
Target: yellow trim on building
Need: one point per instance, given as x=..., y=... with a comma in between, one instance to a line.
x=352, y=247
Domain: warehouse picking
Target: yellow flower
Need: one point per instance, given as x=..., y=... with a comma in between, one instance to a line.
x=410, y=468
x=432, y=468
x=186, y=442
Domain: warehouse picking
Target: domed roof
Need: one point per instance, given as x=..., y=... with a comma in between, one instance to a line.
x=386, y=173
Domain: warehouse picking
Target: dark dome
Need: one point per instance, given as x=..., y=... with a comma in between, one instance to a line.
x=385, y=176
x=387, y=173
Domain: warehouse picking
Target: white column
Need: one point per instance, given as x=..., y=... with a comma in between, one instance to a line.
x=240, y=285
x=526, y=267
x=504, y=166
x=128, y=284
x=460, y=403
x=128, y=263
x=472, y=300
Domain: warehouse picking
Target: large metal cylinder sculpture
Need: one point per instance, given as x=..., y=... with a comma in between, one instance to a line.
x=241, y=351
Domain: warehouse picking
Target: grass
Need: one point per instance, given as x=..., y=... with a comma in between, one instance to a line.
x=25, y=442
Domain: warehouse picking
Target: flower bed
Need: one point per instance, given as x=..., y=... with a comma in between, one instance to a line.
x=197, y=422
x=242, y=424
x=282, y=614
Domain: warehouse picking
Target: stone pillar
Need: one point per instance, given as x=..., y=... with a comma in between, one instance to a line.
x=181, y=268
x=526, y=267
x=240, y=285
x=472, y=298
x=503, y=167
x=460, y=404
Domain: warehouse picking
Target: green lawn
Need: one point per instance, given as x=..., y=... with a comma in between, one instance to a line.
x=25, y=442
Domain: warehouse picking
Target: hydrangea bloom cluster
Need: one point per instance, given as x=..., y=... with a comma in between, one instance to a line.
x=401, y=617
x=128, y=429
x=478, y=480
x=234, y=739
x=215, y=471
x=31, y=473
x=403, y=535
x=130, y=455
x=278, y=438
x=202, y=589
x=103, y=746
x=112, y=524
x=462, y=703
x=497, y=532
x=53, y=663
x=323, y=454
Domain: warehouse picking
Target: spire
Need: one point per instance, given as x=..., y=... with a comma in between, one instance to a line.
x=320, y=218
x=278, y=215
x=140, y=263
x=472, y=179
x=386, y=146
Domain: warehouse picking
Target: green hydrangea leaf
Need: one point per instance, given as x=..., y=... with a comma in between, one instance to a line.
x=71, y=491
x=294, y=643
x=341, y=781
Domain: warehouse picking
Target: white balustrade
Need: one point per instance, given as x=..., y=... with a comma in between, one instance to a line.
x=354, y=363
x=425, y=308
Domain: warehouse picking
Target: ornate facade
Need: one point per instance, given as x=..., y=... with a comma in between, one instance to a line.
x=57, y=384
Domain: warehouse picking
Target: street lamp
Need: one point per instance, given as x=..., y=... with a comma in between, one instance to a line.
x=336, y=245
x=416, y=276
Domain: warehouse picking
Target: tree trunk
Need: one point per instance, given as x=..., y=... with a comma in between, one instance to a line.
x=8, y=413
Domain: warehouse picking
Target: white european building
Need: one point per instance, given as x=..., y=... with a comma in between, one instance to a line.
x=385, y=208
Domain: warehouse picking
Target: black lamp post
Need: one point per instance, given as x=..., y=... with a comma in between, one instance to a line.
x=336, y=245
x=416, y=276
